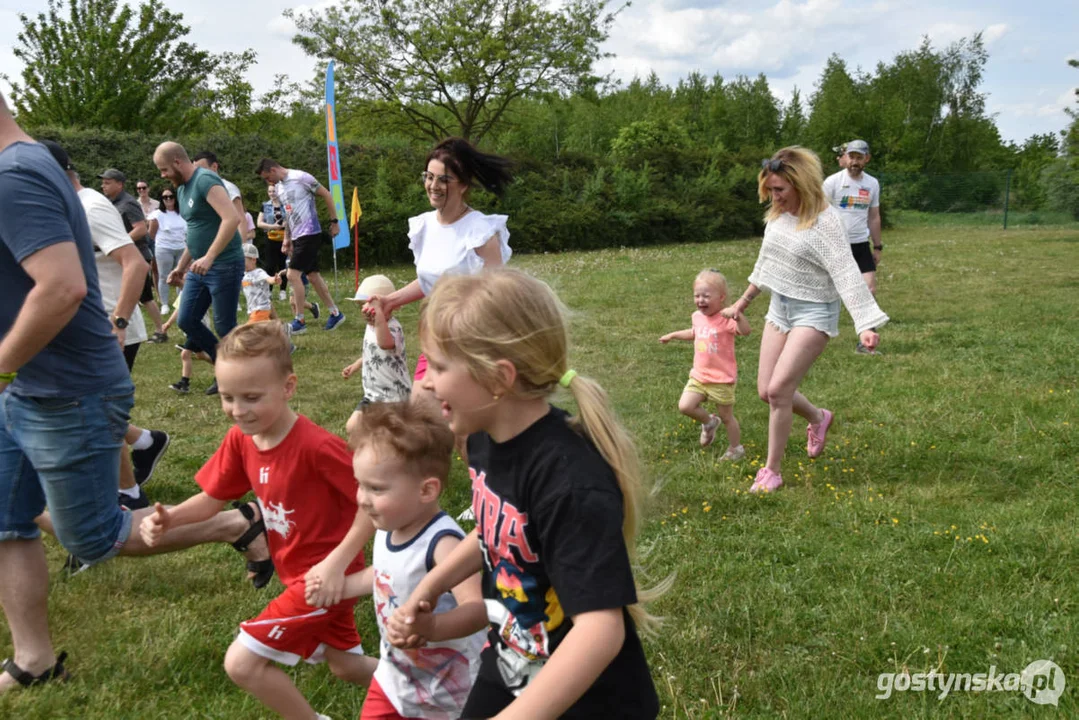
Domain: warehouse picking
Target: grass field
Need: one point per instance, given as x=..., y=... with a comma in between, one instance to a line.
x=937, y=532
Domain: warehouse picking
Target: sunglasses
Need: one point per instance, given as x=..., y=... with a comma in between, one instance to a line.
x=143, y=187
x=772, y=164
x=168, y=197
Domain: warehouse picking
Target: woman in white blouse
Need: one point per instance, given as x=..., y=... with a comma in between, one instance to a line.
x=806, y=265
x=453, y=237
x=169, y=232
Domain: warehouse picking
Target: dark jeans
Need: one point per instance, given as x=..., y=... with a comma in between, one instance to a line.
x=220, y=286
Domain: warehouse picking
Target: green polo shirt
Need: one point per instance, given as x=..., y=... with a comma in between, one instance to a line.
x=203, y=222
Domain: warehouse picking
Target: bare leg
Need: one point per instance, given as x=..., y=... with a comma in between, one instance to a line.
x=24, y=595
x=356, y=669
x=155, y=314
x=127, y=470
x=186, y=364
x=690, y=406
x=730, y=422
x=802, y=347
x=322, y=289
x=298, y=292
x=267, y=682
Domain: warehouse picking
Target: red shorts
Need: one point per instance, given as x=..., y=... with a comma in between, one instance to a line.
x=289, y=629
x=376, y=706
x=421, y=368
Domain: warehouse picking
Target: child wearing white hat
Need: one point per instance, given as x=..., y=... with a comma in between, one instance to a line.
x=383, y=362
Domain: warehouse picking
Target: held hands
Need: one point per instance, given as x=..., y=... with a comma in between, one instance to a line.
x=155, y=525
x=870, y=339
x=731, y=312
x=323, y=585
x=373, y=306
x=411, y=624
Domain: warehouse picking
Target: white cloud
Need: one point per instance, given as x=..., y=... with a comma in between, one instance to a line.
x=995, y=32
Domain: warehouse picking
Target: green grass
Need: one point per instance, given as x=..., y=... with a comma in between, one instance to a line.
x=987, y=218
x=937, y=531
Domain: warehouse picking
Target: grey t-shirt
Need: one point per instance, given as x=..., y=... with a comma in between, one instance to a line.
x=256, y=286
x=39, y=208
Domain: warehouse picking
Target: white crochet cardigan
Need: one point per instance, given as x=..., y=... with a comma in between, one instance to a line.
x=815, y=265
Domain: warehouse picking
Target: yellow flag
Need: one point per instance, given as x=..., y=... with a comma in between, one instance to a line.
x=354, y=216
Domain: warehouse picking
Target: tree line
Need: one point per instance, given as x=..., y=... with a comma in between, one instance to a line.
x=599, y=163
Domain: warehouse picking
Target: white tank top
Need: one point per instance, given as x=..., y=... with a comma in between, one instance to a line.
x=432, y=681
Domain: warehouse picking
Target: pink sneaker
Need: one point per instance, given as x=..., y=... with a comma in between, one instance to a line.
x=766, y=481
x=708, y=431
x=818, y=433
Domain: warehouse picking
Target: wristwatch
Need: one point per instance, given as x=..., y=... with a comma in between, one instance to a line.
x=878, y=247
x=120, y=323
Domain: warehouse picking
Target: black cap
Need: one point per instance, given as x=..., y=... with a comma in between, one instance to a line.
x=113, y=174
x=59, y=154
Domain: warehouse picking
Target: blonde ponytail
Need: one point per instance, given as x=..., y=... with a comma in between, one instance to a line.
x=505, y=314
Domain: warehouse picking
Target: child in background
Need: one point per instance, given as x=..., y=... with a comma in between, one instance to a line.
x=715, y=371
x=402, y=464
x=256, y=285
x=187, y=355
x=557, y=502
x=302, y=478
x=384, y=364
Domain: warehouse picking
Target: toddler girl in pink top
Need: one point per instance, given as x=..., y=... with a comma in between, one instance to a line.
x=715, y=371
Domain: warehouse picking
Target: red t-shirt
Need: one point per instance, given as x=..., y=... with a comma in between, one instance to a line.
x=304, y=486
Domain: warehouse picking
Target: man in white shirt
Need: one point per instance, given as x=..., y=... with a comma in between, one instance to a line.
x=856, y=195
x=208, y=160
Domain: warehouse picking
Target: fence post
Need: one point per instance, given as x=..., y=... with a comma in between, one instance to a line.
x=1007, y=195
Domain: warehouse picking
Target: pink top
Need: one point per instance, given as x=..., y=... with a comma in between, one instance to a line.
x=713, y=349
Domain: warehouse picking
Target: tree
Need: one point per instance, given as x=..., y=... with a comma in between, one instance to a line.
x=794, y=121
x=455, y=67
x=96, y=63
x=838, y=108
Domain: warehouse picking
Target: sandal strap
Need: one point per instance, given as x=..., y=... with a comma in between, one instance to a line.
x=27, y=680
x=255, y=528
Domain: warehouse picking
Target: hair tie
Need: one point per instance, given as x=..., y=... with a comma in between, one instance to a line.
x=567, y=378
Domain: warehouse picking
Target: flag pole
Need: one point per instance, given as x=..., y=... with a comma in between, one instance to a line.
x=340, y=240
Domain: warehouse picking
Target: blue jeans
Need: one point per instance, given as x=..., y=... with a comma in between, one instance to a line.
x=220, y=286
x=65, y=453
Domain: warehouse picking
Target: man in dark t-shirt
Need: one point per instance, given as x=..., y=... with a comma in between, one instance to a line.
x=213, y=251
x=112, y=186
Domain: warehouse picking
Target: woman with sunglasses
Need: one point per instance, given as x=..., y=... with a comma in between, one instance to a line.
x=169, y=232
x=806, y=265
x=453, y=237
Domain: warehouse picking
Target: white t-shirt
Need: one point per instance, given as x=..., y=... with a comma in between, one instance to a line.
x=231, y=189
x=171, y=230
x=107, y=231
x=297, y=193
x=853, y=198
x=440, y=249
x=256, y=285
x=385, y=372
x=432, y=681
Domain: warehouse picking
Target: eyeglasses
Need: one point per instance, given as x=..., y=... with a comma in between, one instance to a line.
x=772, y=164
x=427, y=177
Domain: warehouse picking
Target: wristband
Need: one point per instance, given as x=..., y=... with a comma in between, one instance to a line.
x=8, y=377
x=878, y=247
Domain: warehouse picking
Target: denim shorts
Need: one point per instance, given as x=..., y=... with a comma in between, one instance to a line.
x=787, y=313
x=65, y=453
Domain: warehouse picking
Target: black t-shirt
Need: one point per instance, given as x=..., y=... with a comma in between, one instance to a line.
x=131, y=212
x=549, y=513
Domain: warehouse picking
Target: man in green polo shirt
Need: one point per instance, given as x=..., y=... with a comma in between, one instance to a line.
x=212, y=266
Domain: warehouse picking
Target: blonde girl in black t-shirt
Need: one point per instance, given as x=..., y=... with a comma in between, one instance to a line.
x=557, y=502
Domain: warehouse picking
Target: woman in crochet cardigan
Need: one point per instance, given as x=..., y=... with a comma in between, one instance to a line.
x=806, y=264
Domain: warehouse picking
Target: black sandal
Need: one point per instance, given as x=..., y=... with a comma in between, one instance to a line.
x=56, y=672
x=262, y=569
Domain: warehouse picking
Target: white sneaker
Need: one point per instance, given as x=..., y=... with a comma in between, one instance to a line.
x=467, y=514
x=164, y=309
x=708, y=431
x=319, y=716
x=734, y=454
x=282, y=296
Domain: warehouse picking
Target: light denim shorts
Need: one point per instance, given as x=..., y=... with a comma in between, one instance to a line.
x=787, y=313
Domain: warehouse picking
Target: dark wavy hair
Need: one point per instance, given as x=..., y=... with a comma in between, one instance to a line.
x=472, y=167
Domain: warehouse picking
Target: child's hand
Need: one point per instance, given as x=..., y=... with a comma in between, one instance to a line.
x=155, y=525
x=402, y=629
x=665, y=339
x=870, y=339
x=730, y=312
x=348, y=371
x=323, y=585
x=166, y=325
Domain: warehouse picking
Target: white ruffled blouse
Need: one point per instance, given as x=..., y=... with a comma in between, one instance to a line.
x=440, y=249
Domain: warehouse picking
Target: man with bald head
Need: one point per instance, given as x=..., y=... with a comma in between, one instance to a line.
x=212, y=266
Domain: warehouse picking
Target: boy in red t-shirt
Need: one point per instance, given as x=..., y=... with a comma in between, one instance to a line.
x=302, y=477
x=715, y=371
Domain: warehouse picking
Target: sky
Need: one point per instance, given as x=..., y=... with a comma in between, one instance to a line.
x=1027, y=78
